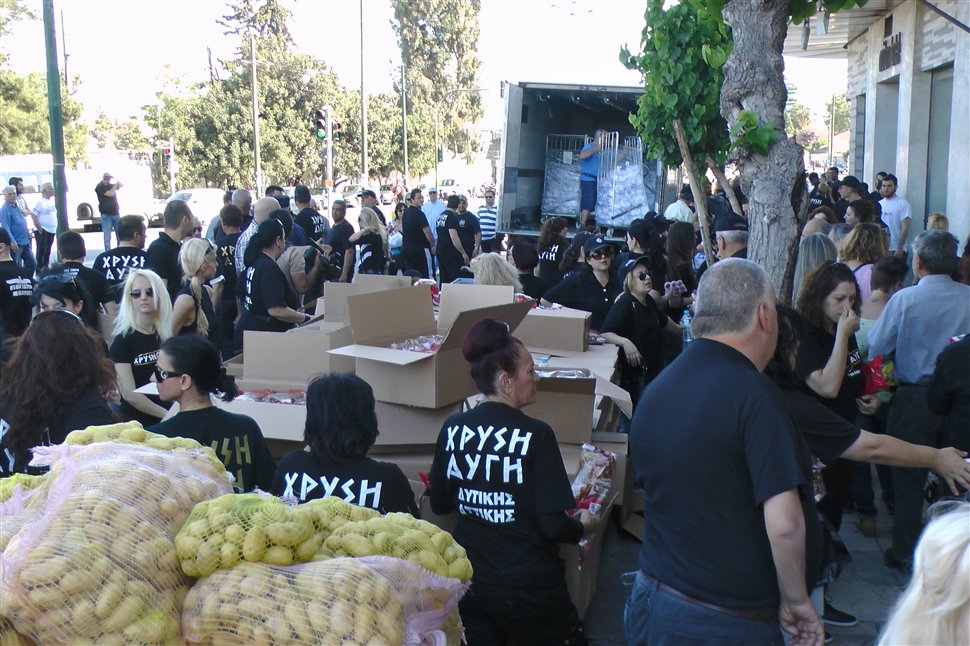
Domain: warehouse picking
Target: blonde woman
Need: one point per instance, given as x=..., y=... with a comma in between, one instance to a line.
x=935, y=608
x=371, y=237
x=193, y=311
x=144, y=321
x=937, y=221
x=813, y=250
x=493, y=269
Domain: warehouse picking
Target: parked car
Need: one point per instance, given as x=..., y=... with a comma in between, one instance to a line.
x=349, y=193
x=205, y=203
x=446, y=187
x=387, y=194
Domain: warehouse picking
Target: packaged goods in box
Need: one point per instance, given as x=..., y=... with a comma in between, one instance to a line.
x=566, y=399
x=414, y=378
x=373, y=599
x=296, y=355
x=583, y=564
x=558, y=328
x=97, y=564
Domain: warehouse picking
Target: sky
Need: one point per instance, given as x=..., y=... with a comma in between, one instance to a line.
x=121, y=48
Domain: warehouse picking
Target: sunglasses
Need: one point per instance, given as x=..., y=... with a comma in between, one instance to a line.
x=162, y=375
x=642, y=276
x=601, y=254
x=197, y=229
x=137, y=293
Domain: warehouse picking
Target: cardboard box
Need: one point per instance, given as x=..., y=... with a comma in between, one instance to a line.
x=409, y=428
x=581, y=579
x=333, y=305
x=296, y=355
x=429, y=380
x=568, y=405
x=555, y=329
x=234, y=366
x=410, y=463
x=458, y=298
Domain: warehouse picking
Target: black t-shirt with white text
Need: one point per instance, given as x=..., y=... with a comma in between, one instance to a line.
x=501, y=469
x=116, y=263
x=140, y=351
x=549, y=260
x=226, y=255
x=16, y=292
x=361, y=481
x=371, y=253
x=446, y=251
x=339, y=241
x=314, y=224
x=236, y=440
x=264, y=286
x=814, y=349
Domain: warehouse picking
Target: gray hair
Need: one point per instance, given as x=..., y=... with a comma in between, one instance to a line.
x=728, y=297
x=242, y=198
x=813, y=250
x=46, y=185
x=9, y=190
x=734, y=237
x=937, y=250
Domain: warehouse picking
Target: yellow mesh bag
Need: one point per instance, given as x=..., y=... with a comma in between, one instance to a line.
x=372, y=600
x=97, y=563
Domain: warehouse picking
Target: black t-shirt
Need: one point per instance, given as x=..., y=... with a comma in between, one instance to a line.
x=840, y=208
x=468, y=226
x=817, y=199
x=706, y=472
x=235, y=438
x=163, y=258
x=115, y=264
x=265, y=286
x=446, y=251
x=360, y=481
x=16, y=294
x=549, y=260
x=92, y=280
x=207, y=309
x=532, y=286
x=501, y=469
x=814, y=349
x=582, y=291
x=87, y=410
x=827, y=435
x=641, y=324
x=412, y=229
x=371, y=253
x=140, y=351
x=226, y=253
x=949, y=393
x=339, y=241
x=108, y=205
x=315, y=225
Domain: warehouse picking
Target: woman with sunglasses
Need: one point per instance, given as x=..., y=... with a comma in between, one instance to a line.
x=144, y=321
x=269, y=301
x=193, y=311
x=62, y=292
x=636, y=323
x=55, y=382
x=189, y=373
x=591, y=289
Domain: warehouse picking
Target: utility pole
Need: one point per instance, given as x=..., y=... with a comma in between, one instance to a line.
x=172, y=165
x=258, y=169
x=328, y=113
x=404, y=118
x=55, y=117
x=67, y=79
x=832, y=131
x=363, y=105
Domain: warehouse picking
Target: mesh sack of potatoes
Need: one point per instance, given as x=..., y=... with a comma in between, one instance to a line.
x=403, y=536
x=258, y=528
x=10, y=637
x=16, y=491
x=371, y=600
x=96, y=563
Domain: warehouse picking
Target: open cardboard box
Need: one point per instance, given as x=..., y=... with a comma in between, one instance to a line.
x=568, y=405
x=555, y=329
x=333, y=304
x=457, y=298
x=429, y=380
x=296, y=355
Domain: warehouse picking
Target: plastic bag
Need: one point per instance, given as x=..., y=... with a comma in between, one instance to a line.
x=879, y=375
x=96, y=563
x=373, y=600
x=428, y=344
x=403, y=536
x=592, y=485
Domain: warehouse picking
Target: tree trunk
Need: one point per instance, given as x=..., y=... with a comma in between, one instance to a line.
x=774, y=184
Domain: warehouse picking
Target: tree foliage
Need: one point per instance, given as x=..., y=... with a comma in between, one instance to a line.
x=683, y=50
x=128, y=135
x=439, y=43
x=841, y=113
x=10, y=12
x=798, y=119
x=102, y=130
x=24, y=123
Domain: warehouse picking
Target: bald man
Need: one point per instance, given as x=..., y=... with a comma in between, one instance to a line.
x=264, y=206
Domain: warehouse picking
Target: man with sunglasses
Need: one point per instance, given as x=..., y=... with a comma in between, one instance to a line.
x=488, y=219
x=16, y=291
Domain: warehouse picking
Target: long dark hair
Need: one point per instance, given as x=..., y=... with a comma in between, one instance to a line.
x=198, y=358
x=62, y=288
x=266, y=235
x=552, y=233
x=56, y=361
x=780, y=367
x=818, y=285
x=341, y=421
x=680, y=252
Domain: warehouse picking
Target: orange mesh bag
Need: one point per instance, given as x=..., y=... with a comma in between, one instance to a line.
x=403, y=536
x=372, y=600
x=97, y=563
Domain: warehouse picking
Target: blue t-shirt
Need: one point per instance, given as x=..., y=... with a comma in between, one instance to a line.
x=589, y=168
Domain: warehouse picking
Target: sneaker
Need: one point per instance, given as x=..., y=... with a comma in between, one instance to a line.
x=904, y=566
x=835, y=617
x=867, y=526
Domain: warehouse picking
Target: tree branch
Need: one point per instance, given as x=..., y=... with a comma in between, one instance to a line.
x=699, y=196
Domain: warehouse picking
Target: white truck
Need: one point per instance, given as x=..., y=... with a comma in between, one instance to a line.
x=546, y=124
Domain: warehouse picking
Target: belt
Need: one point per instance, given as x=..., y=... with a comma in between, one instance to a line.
x=746, y=613
x=587, y=177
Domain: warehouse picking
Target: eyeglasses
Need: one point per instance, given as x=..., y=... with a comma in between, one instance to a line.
x=601, y=254
x=162, y=375
x=642, y=276
x=197, y=229
x=137, y=293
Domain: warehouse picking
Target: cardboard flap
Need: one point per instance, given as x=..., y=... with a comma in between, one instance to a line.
x=585, y=386
x=457, y=298
x=561, y=312
x=377, y=282
x=384, y=355
x=512, y=313
x=619, y=396
x=389, y=315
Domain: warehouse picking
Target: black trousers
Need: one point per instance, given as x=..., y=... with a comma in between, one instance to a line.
x=45, y=240
x=495, y=615
x=910, y=419
x=418, y=259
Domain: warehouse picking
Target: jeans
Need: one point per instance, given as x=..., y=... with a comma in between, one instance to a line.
x=109, y=222
x=25, y=258
x=657, y=617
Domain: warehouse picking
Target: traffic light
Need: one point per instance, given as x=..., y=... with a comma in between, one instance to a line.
x=336, y=131
x=321, y=124
x=167, y=151
x=441, y=153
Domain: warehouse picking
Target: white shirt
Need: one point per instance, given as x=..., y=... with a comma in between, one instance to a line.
x=431, y=212
x=46, y=212
x=894, y=210
x=679, y=212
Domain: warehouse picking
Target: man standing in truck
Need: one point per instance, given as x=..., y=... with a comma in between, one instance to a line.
x=589, y=168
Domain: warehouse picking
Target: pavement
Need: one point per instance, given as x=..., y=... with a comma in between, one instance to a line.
x=866, y=588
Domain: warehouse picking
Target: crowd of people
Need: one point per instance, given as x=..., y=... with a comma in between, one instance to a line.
x=780, y=450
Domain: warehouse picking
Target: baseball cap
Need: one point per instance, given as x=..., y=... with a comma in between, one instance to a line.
x=593, y=243
x=852, y=182
x=579, y=240
x=107, y=176
x=730, y=222
x=433, y=189
x=368, y=193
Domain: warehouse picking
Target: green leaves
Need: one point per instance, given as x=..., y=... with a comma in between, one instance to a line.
x=749, y=134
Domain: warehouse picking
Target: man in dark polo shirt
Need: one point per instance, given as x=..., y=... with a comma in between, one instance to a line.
x=723, y=554
x=162, y=256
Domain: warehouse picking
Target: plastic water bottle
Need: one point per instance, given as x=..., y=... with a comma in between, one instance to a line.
x=685, y=326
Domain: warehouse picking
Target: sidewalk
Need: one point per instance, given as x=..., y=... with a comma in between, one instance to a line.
x=867, y=588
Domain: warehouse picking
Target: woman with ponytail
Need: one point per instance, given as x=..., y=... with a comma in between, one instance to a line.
x=193, y=312
x=188, y=371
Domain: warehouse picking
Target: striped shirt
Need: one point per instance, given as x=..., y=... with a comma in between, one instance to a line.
x=487, y=218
